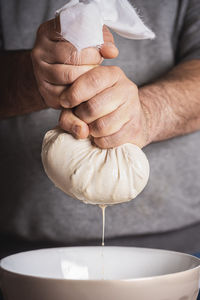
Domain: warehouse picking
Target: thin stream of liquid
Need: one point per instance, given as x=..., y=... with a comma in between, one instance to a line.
x=103, y=208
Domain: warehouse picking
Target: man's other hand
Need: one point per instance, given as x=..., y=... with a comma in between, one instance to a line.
x=57, y=64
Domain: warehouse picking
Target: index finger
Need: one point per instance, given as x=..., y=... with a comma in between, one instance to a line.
x=89, y=85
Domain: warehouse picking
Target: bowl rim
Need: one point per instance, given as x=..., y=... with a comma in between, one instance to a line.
x=171, y=275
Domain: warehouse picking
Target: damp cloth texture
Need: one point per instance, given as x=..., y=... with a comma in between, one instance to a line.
x=93, y=175
x=82, y=21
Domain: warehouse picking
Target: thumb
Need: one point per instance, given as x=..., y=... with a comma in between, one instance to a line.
x=108, y=49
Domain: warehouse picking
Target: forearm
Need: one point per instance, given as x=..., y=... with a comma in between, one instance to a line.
x=18, y=92
x=172, y=104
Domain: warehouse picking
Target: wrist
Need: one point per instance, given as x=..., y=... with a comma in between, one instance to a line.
x=151, y=114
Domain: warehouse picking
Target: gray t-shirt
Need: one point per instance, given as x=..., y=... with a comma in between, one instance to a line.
x=31, y=207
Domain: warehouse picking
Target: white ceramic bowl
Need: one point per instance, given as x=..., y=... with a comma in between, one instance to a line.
x=76, y=274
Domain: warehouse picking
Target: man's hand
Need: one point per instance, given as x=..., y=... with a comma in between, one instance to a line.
x=57, y=64
x=109, y=108
x=108, y=101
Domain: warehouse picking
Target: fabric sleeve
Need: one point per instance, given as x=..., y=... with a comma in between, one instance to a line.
x=189, y=39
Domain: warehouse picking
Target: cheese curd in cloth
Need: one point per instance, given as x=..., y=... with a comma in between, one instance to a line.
x=91, y=174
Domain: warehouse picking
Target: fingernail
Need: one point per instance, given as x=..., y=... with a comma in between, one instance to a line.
x=76, y=129
x=64, y=102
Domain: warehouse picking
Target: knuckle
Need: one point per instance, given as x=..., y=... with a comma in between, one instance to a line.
x=100, y=126
x=91, y=107
x=95, y=78
x=74, y=96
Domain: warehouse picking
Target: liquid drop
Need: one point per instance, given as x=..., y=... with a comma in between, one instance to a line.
x=103, y=208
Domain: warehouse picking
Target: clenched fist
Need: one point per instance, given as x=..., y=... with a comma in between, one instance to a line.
x=109, y=103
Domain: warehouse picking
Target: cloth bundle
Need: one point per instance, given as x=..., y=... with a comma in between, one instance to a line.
x=93, y=175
